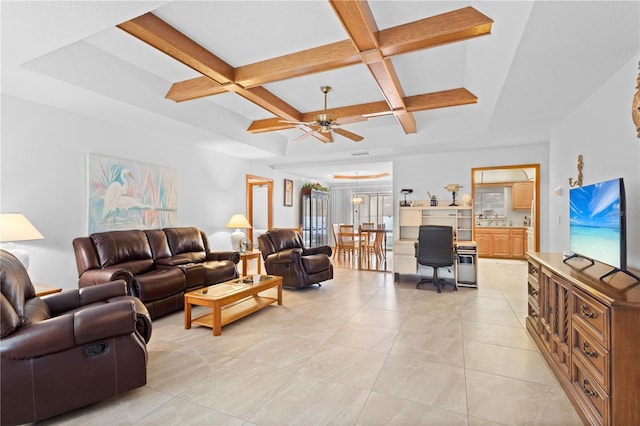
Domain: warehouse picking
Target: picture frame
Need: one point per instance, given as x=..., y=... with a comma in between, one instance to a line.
x=288, y=193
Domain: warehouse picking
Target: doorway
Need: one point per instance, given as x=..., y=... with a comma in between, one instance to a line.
x=259, y=192
x=494, y=202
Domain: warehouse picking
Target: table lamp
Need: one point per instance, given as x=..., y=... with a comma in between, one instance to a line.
x=453, y=188
x=16, y=227
x=238, y=221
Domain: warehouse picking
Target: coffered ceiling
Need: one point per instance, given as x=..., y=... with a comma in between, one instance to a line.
x=418, y=76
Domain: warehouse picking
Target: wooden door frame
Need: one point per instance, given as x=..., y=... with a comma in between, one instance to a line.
x=536, y=167
x=251, y=181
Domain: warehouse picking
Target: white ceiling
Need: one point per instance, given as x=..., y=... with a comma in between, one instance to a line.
x=541, y=61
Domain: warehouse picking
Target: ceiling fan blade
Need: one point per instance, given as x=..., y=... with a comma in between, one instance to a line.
x=302, y=136
x=348, y=134
x=303, y=123
x=324, y=137
x=352, y=119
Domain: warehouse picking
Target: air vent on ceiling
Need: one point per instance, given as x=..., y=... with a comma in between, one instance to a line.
x=356, y=154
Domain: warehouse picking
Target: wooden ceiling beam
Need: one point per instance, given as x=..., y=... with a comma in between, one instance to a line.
x=423, y=102
x=310, y=61
x=464, y=24
x=358, y=21
x=157, y=33
x=218, y=77
x=458, y=25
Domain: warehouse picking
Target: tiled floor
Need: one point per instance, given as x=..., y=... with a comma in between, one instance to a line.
x=361, y=349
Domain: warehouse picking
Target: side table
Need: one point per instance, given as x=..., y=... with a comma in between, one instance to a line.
x=43, y=290
x=246, y=257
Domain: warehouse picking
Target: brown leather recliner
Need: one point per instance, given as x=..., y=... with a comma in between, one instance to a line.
x=284, y=254
x=66, y=350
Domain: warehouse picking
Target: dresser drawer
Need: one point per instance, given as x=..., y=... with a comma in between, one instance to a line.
x=596, y=400
x=594, y=357
x=593, y=315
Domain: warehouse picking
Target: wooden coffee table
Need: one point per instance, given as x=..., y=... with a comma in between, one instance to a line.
x=230, y=301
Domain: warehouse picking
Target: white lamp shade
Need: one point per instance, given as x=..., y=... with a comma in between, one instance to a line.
x=238, y=221
x=16, y=227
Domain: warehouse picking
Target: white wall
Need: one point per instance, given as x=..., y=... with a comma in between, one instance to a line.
x=602, y=131
x=432, y=173
x=43, y=175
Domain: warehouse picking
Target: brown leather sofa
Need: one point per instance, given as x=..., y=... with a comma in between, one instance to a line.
x=284, y=254
x=66, y=350
x=159, y=265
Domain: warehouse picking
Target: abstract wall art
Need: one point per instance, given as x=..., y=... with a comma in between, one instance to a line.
x=127, y=194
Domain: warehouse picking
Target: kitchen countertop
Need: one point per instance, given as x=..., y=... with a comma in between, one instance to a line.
x=501, y=226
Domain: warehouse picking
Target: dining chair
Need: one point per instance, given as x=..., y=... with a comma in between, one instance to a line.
x=349, y=241
x=336, y=241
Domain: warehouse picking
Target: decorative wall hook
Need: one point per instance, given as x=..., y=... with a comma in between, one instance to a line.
x=578, y=182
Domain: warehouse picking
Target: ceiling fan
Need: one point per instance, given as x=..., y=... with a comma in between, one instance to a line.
x=325, y=123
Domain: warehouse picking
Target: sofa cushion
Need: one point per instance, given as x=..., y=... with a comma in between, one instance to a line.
x=158, y=242
x=285, y=239
x=116, y=247
x=316, y=263
x=159, y=283
x=186, y=240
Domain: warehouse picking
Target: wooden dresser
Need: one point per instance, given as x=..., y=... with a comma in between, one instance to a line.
x=589, y=332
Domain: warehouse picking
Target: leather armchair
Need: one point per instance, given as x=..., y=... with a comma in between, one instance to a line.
x=66, y=350
x=284, y=254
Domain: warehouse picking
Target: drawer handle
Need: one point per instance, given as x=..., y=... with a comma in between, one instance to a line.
x=588, y=392
x=534, y=270
x=585, y=350
x=586, y=313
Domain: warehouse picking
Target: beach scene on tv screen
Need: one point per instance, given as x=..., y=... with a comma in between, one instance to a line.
x=594, y=223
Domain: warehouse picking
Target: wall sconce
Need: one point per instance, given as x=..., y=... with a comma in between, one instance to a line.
x=578, y=182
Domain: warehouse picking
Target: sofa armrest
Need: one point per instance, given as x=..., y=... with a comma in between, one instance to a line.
x=233, y=256
x=70, y=330
x=71, y=299
x=285, y=256
x=318, y=250
x=101, y=276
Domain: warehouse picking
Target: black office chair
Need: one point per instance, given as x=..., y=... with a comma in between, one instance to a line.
x=435, y=249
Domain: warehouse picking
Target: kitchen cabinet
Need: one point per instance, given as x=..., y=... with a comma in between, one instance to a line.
x=501, y=242
x=521, y=195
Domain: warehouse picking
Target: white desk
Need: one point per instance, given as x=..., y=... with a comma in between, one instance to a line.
x=466, y=264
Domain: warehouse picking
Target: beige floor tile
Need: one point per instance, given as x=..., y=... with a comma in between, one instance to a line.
x=509, y=362
x=387, y=410
x=349, y=366
x=363, y=336
x=125, y=409
x=437, y=326
x=305, y=400
x=379, y=318
x=511, y=401
x=239, y=389
x=491, y=316
x=177, y=411
x=422, y=381
x=430, y=347
x=498, y=335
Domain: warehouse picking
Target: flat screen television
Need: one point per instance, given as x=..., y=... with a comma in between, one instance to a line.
x=597, y=226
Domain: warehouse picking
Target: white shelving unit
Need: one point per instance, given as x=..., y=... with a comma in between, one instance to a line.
x=410, y=219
